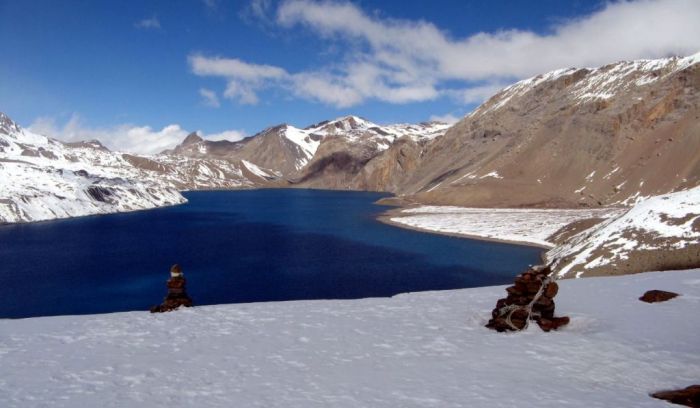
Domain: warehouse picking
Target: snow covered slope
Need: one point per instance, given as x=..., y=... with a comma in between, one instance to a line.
x=661, y=232
x=519, y=225
x=415, y=350
x=41, y=179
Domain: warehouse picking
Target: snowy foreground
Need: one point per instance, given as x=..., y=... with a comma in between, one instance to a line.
x=530, y=226
x=414, y=350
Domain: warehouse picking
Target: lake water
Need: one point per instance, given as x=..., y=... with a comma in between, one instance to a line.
x=238, y=246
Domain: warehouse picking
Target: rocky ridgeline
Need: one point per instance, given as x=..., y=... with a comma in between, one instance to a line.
x=177, y=295
x=530, y=298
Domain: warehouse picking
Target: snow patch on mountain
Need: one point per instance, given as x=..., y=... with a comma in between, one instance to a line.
x=266, y=174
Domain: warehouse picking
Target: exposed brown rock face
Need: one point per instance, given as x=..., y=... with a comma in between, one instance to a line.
x=177, y=295
x=655, y=296
x=530, y=298
x=576, y=137
x=689, y=396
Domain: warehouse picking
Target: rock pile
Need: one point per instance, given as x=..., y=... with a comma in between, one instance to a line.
x=177, y=295
x=530, y=298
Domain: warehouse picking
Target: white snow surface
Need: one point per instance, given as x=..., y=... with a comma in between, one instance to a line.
x=664, y=222
x=530, y=226
x=425, y=349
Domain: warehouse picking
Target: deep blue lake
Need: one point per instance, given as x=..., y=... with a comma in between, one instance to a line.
x=234, y=247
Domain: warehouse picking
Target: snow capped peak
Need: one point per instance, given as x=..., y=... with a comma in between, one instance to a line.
x=7, y=125
x=352, y=122
x=343, y=124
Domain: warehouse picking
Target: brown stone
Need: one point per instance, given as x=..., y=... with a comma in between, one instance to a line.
x=689, y=396
x=512, y=290
x=655, y=296
x=534, y=287
x=551, y=290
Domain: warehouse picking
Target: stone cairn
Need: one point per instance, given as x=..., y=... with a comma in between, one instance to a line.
x=530, y=298
x=177, y=295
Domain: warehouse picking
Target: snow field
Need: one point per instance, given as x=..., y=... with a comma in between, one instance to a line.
x=530, y=226
x=415, y=350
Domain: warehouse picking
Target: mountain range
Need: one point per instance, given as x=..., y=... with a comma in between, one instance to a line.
x=571, y=138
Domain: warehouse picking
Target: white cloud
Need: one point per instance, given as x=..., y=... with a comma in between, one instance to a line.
x=125, y=137
x=446, y=118
x=243, y=79
x=402, y=61
x=209, y=97
x=148, y=23
x=620, y=30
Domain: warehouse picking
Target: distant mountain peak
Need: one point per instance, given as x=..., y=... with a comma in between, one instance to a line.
x=7, y=125
x=191, y=139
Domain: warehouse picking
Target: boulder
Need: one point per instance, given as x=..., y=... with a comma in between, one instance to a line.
x=656, y=296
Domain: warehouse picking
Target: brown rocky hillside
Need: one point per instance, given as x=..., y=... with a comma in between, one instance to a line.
x=569, y=138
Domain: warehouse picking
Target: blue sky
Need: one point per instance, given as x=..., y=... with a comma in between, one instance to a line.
x=127, y=71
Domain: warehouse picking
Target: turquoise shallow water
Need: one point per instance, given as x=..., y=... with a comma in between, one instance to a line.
x=238, y=246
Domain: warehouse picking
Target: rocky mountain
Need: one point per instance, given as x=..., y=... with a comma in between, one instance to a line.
x=313, y=155
x=570, y=138
x=359, y=155
x=43, y=178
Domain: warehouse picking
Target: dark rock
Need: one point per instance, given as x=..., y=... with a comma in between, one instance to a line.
x=99, y=193
x=689, y=396
x=655, y=296
x=552, y=290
